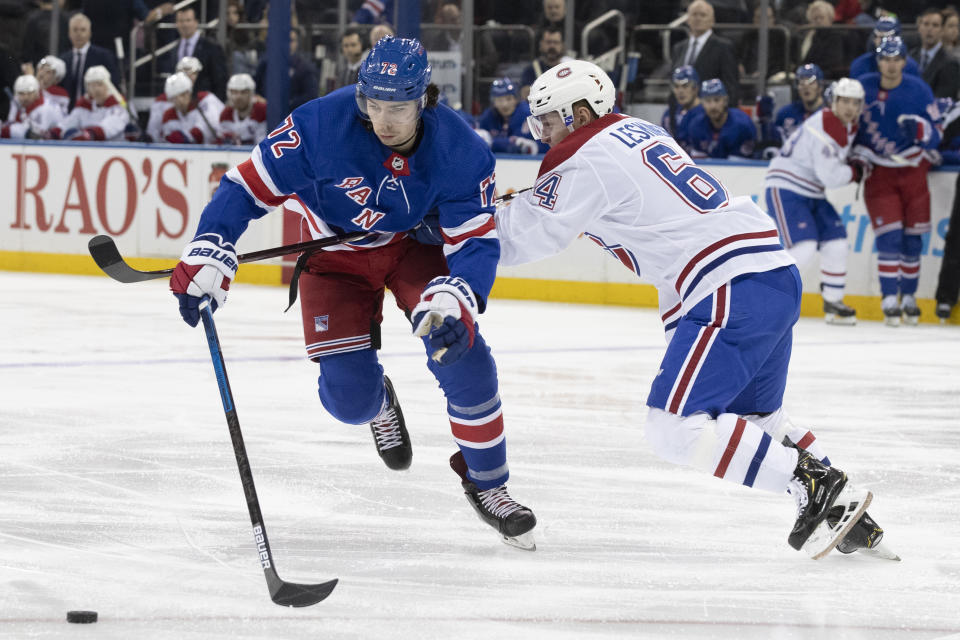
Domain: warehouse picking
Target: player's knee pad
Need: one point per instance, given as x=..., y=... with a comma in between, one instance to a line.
x=912, y=245
x=803, y=252
x=890, y=242
x=350, y=386
x=689, y=441
x=833, y=256
x=471, y=379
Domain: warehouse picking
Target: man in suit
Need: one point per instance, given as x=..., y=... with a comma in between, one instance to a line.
x=938, y=68
x=213, y=77
x=708, y=53
x=84, y=55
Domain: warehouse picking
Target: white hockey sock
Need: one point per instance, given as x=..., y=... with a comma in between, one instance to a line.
x=803, y=252
x=779, y=426
x=833, y=269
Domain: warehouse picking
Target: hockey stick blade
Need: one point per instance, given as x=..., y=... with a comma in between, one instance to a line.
x=287, y=594
x=104, y=252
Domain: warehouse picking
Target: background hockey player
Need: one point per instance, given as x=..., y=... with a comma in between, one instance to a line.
x=31, y=116
x=208, y=103
x=719, y=131
x=244, y=119
x=184, y=123
x=815, y=158
x=729, y=293
x=101, y=114
x=377, y=158
x=897, y=128
x=886, y=27
x=50, y=71
x=808, y=81
x=506, y=121
x=684, y=96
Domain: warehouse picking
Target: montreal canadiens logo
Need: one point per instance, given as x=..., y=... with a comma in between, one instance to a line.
x=563, y=73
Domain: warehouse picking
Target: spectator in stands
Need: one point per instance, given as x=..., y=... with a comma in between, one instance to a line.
x=380, y=31
x=951, y=32
x=505, y=120
x=191, y=43
x=856, y=12
x=448, y=39
x=101, y=114
x=304, y=83
x=244, y=120
x=719, y=131
x=938, y=68
x=351, y=56
x=50, y=71
x=31, y=116
x=886, y=27
x=708, y=53
x=816, y=44
x=374, y=12
x=684, y=97
x=243, y=48
x=85, y=56
x=749, y=47
x=551, y=54
x=36, y=34
x=115, y=19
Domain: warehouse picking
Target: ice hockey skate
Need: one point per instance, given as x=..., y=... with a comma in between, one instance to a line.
x=820, y=491
x=390, y=432
x=513, y=521
x=911, y=312
x=839, y=313
x=891, y=311
x=865, y=537
x=944, y=309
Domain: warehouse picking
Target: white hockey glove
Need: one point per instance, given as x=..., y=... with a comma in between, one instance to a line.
x=205, y=269
x=445, y=316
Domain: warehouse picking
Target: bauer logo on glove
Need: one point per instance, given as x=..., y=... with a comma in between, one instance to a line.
x=205, y=269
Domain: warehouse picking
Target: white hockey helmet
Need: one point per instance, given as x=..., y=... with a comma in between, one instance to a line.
x=847, y=88
x=176, y=84
x=26, y=84
x=241, y=82
x=97, y=73
x=558, y=88
x=189, y=64
x=59, y=66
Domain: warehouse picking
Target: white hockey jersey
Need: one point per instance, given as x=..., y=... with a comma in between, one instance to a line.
x=208, y=103
x=104, y=122
x=814, y=157
x=246, y=131
x=58, y=96
x=35, y=121
x=188, y=127
x=628, y=186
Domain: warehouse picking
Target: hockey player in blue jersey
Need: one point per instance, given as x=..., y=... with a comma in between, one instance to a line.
x=886, y=27
x=376, y=157
x=729, y=296
x=719, y=131
x=506, y=121
x=808, y=81
x=684, y=98
x=896, y=130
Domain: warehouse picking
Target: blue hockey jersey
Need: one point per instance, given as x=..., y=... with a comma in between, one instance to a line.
x=341, y=178
x=789, y=117
x=501, y=131
x=736, y=137
x=867, y=63
x=881, y=138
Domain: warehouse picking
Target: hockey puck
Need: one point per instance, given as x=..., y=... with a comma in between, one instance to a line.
x=81, y=617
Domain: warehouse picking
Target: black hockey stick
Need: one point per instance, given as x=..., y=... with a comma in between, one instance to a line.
x=105, y=253
x=288, y=594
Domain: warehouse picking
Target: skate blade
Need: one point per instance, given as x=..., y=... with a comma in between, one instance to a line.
x=848, y=321
x=911, y=321
x=524, y=541
x=824, y=538
x=880, y=552
x=892, y=321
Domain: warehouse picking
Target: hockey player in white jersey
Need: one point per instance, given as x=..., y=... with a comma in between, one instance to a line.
x=208, y=103
x=100, y=115
x=729, y=295
x=244, y=119
x=31, y=115
x=184, y=122
x=50, y=72
x=815, y=157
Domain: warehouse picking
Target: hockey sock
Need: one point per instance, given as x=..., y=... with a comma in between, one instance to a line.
x=910, y=263
x=803, y=252
x=833, y=269
x=889, y=246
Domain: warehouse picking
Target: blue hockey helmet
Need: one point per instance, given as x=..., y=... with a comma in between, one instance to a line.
x=892, y=47
x=808, y=73
x=712, y=87
x=685, y=74
x=502, y=87
x=886, y=26
x=396, y=69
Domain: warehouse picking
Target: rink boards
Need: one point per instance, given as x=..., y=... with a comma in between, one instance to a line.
x=149, y=198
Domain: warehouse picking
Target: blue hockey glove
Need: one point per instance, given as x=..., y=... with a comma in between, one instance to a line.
x=205, y=269
x=445, y=316
x=915, y=128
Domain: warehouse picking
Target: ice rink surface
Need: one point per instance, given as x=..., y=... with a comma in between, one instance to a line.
x=119, y=491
